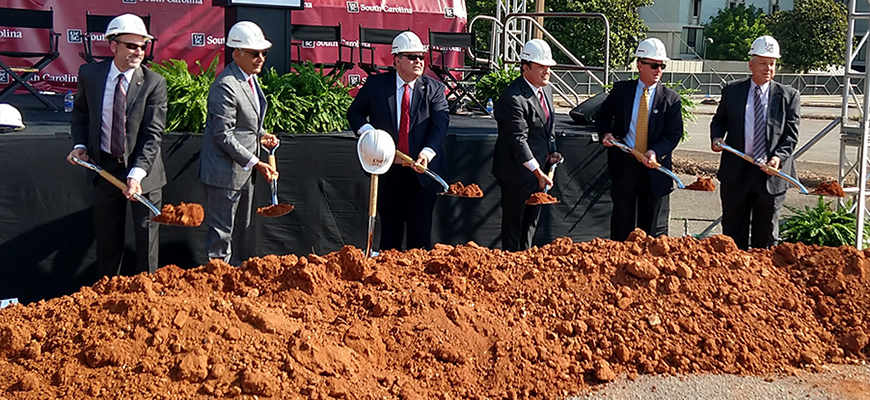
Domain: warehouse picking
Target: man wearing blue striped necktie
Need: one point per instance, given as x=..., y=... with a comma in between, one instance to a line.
x=761, y=118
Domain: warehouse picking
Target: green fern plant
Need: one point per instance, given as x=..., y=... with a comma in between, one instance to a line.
x=305, y=101
x=821, y=225
x=688, y=106
x=187, y=94
x=493, y=84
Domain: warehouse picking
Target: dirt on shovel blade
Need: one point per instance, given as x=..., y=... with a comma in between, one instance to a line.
x=541, y=198
x=275, y=210
x=829, y=189
x=472, y=190
x=702, y=184
x=184, y=214
x=455, y=322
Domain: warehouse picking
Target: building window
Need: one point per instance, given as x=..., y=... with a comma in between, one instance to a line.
x=696, y=12
x=691, y=39
x=774, y=6
x=734, y=3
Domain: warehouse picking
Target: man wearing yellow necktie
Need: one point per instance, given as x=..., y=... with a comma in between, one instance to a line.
x=644, y=115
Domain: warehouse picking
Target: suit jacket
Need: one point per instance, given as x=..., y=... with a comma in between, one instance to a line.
x=146, y=119
x=233, y=129
x=375, y=104
x=783, y=122
x=665, y=128
x=523, y=133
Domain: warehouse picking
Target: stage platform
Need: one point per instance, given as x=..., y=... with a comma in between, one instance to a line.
x=46, y=230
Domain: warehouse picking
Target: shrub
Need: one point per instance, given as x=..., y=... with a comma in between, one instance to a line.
x=822, y=226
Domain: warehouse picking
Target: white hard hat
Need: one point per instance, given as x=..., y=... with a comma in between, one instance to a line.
x=10, y=118
x=376, y=151
x=407, y=42
x=127, y=24
x=247, y=35
x=652, y=49
x=538, y=52
x=765, y=46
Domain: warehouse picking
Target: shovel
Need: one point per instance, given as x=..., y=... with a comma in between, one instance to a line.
x=532, y=201
x=778, y=173
x=657, y=166
x=444, y=186
x=373, y=213
x=274, y=210
x=552, y=172
x=123, y=186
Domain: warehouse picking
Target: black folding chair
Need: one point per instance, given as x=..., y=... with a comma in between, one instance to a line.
x=32, y=19
x=305, y=36
x=96, y=29
x=459, y=80
x=372, y=36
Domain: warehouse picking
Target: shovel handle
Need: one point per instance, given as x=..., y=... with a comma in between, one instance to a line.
x=408, y=160
x=272, y=161
x=641, y=156
x=113, y=180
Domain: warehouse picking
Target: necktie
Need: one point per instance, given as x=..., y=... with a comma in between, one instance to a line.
x=759, y=137
x=642, y=128
x=119, y=118
x=405, y=120
x=544, y=105
x=254, y=93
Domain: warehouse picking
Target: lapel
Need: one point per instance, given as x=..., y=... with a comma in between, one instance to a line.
x=246, y=87
x=420, y=91
x=391, y=101
x=100, y=85
x=654, y=111
x=134, y=87
x=628, y=105
x=742, y=90
x=773, y=113
x=533, y=98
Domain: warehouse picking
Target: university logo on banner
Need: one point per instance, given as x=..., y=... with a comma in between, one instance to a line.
x=353, y=7
x=4, y=78
x=353, y=80
x=128, y=1
x=197, y=39
x=308, y=44
x=73, y=35
x=448, y=12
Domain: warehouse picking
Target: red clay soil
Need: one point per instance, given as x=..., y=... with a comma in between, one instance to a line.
x=538, y=198
x=703, y=184
x=829, y=189
x=275, y=210
x=184, y=214
x=472, y=190
x=461, y=322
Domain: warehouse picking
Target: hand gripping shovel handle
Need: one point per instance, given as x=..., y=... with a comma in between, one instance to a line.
x=273, y=183
x=552, y=173
x=117, y=182
x=655, y=164
x=778, y=173
x=373, y=212
x=408, y=160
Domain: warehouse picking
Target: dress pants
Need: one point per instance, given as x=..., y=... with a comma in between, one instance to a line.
x=405, y=205
x=228, y=217
x=747, y=207
x=518, y=220
x=633, y=203
x=110, y=217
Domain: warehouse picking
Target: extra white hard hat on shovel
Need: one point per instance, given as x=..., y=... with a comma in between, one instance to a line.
x=376, y=150
x=247, y=35
x=127, y=24
x=10, y=118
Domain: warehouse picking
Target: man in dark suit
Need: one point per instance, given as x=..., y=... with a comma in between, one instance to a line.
x=761, y=118
x=117, y=122
x=231, y=144
x=413, y=109
x=524, y=113
x=646, y=116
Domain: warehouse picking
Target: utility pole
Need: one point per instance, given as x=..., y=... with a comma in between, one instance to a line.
x=539, y=8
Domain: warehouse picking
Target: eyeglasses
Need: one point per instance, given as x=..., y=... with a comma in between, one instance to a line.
x=653, y=65
x=413, y=57
x=256, y=53
x=133, y=46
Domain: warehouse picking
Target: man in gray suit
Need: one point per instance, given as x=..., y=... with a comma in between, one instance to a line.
x=231, y=142
x=761, y=118
x=118, y=120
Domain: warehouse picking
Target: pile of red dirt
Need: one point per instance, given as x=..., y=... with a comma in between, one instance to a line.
x=538, y=198
x=184, y=214
x=703, y=184
x=472, y=190
x=275, y=210
x=456, y=322
x=829, y=189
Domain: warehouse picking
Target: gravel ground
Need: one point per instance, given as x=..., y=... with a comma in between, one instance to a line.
x=833, y=382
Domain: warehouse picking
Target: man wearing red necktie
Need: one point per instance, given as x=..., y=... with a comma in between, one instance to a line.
x=525, y=142
x=412, y=107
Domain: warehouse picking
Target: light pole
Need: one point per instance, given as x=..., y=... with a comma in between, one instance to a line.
x=708, y=41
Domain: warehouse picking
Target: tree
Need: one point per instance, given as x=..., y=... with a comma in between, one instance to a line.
x=583, y=37
x=733, y=29
x=812, y=35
